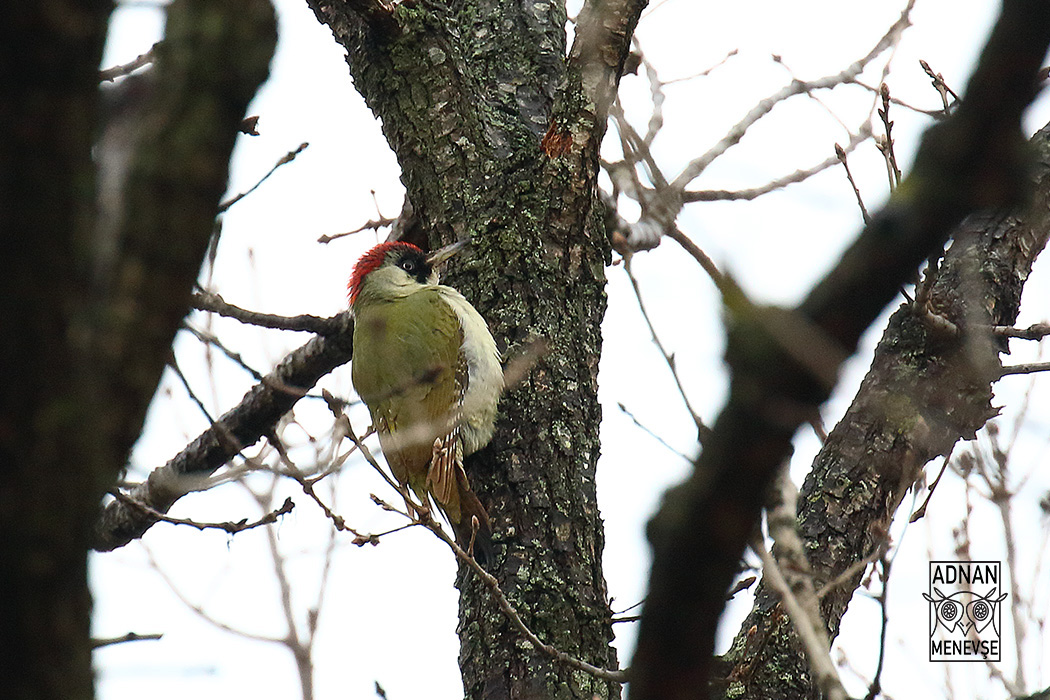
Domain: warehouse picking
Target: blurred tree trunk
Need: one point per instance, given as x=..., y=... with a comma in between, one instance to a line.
x=91, y=302
x=53, y=470
x=497, y=134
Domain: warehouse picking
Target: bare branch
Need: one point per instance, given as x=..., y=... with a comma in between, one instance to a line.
x=933, y=113
x=650, y=431
x=724, y=284
x=796, y=87
x=795, y=583
x=209, y=301
x=875, y=688
x=862, y=135
x=210, y=339
x=228, y=526
x=854, y=570
x=199, y=609
x=941, y=87
x=419, y=514
x=189, y=390
x=885, y=144
x=920, y=512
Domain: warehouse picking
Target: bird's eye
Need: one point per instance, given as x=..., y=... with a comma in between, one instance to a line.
x=408, y=265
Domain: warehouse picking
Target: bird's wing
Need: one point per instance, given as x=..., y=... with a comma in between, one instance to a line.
x=446, y=463
x=406, y=357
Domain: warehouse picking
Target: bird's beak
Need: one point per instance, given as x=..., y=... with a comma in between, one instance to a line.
x=442, y=254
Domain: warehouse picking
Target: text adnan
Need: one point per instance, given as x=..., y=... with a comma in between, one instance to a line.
x=968, y=574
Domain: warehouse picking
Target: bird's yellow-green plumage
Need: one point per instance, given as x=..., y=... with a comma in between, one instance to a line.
x=406, y=361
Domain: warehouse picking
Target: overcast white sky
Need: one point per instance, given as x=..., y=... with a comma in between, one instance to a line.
x=390, y=612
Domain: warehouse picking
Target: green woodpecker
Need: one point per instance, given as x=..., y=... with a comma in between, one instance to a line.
x=428, y=369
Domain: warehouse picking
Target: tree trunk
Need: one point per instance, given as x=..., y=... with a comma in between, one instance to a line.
x=91, y=303
x=497, y=135
x=53, y=471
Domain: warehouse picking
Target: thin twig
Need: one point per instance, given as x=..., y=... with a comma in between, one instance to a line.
x=1001, y=496
x=629, y=618
x=840, y=155
x=189, y=390
x=293, y=472
x=329, y=556
x=657, y=97
x=374, y=225
x=885, y=144
x=795, y=583
x=1027, y=368
x=934, y=113
x=854, y=569
x=300, y=646
x=129, y=637
x=629, y=608
x=307, y=483
x=741, y=585
x=286, y=158
x=721, y=281
x=228, y=526
x=199, y=610
x=651, y=433
x=704, y=72
x=921, y=510
x=111, y=74
x=490, y=581
x=875, y=688
x=941, y=87
x=702, y=429
x=211, y=339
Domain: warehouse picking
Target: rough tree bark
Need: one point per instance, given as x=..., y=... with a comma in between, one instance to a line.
x=88, y=321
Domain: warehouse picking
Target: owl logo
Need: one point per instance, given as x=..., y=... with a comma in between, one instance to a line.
x=960, y=612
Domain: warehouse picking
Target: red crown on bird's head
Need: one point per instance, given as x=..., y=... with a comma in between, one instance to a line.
x=369, y=262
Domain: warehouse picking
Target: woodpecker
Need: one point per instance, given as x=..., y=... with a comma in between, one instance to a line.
x=429, y=371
